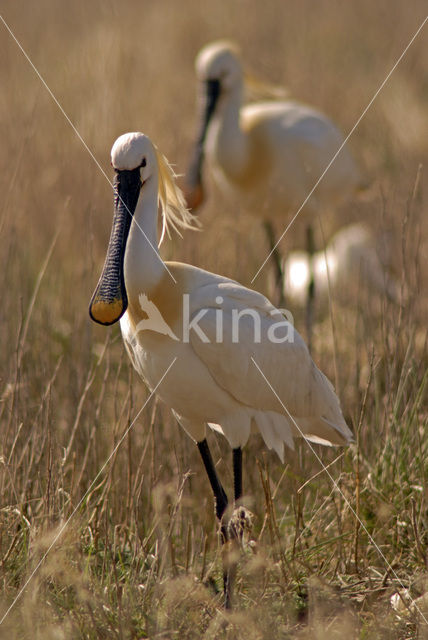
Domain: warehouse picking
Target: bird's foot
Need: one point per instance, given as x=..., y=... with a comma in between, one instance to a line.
x=240, y=523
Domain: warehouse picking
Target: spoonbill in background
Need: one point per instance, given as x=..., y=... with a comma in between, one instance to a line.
x=268, y=155
x=351, y=257
x=258, y=381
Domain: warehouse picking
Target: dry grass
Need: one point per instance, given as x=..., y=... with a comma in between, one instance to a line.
x=140, y=558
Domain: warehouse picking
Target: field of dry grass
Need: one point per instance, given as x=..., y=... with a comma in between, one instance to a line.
x=139, y=558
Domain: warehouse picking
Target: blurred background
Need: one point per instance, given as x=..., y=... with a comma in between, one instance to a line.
x=67, y=390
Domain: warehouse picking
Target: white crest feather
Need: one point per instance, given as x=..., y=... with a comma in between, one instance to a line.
x=256, y=89
x=175, y=215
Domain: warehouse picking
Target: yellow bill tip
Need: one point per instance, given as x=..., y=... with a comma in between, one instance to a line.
x=194, y=196
x=106, y=312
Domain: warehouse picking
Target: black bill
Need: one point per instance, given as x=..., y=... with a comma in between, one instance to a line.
x=109, y=301
x=212, y=93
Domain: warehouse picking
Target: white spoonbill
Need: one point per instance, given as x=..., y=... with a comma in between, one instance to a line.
x=350, y=256
x=269, y=155
x=234, y=363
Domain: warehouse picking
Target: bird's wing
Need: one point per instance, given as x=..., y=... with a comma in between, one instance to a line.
x=254, y=353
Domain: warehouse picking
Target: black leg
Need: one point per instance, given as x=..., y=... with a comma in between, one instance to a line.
x=220, y=507
x=276, y=257
x=237, y=472
x=310, y=245
x=239, y=518
x=219, y=493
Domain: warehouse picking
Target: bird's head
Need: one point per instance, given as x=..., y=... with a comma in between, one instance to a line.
x=219, y=62
x=218, y=69
x=134, y=151
x=136, y=162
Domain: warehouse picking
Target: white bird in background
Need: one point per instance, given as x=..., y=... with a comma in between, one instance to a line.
x=231, y=381
x=350, y=258
x=267, y=154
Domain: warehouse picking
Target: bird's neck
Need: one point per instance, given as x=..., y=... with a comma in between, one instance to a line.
x=143, y=266
x=229, y=144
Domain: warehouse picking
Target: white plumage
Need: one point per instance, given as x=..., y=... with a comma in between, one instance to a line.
x=268, y=154
x=350, y=258
x=210, y=348
x=213, y=382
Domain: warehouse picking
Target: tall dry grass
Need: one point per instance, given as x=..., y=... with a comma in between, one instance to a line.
x=139, y=557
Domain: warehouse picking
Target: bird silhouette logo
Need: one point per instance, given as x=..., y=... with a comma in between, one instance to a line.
x=154, y=320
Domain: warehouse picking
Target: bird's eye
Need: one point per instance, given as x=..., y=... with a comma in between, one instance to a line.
x=143, y=163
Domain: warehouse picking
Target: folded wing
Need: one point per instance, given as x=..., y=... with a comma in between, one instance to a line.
x=255, y=354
